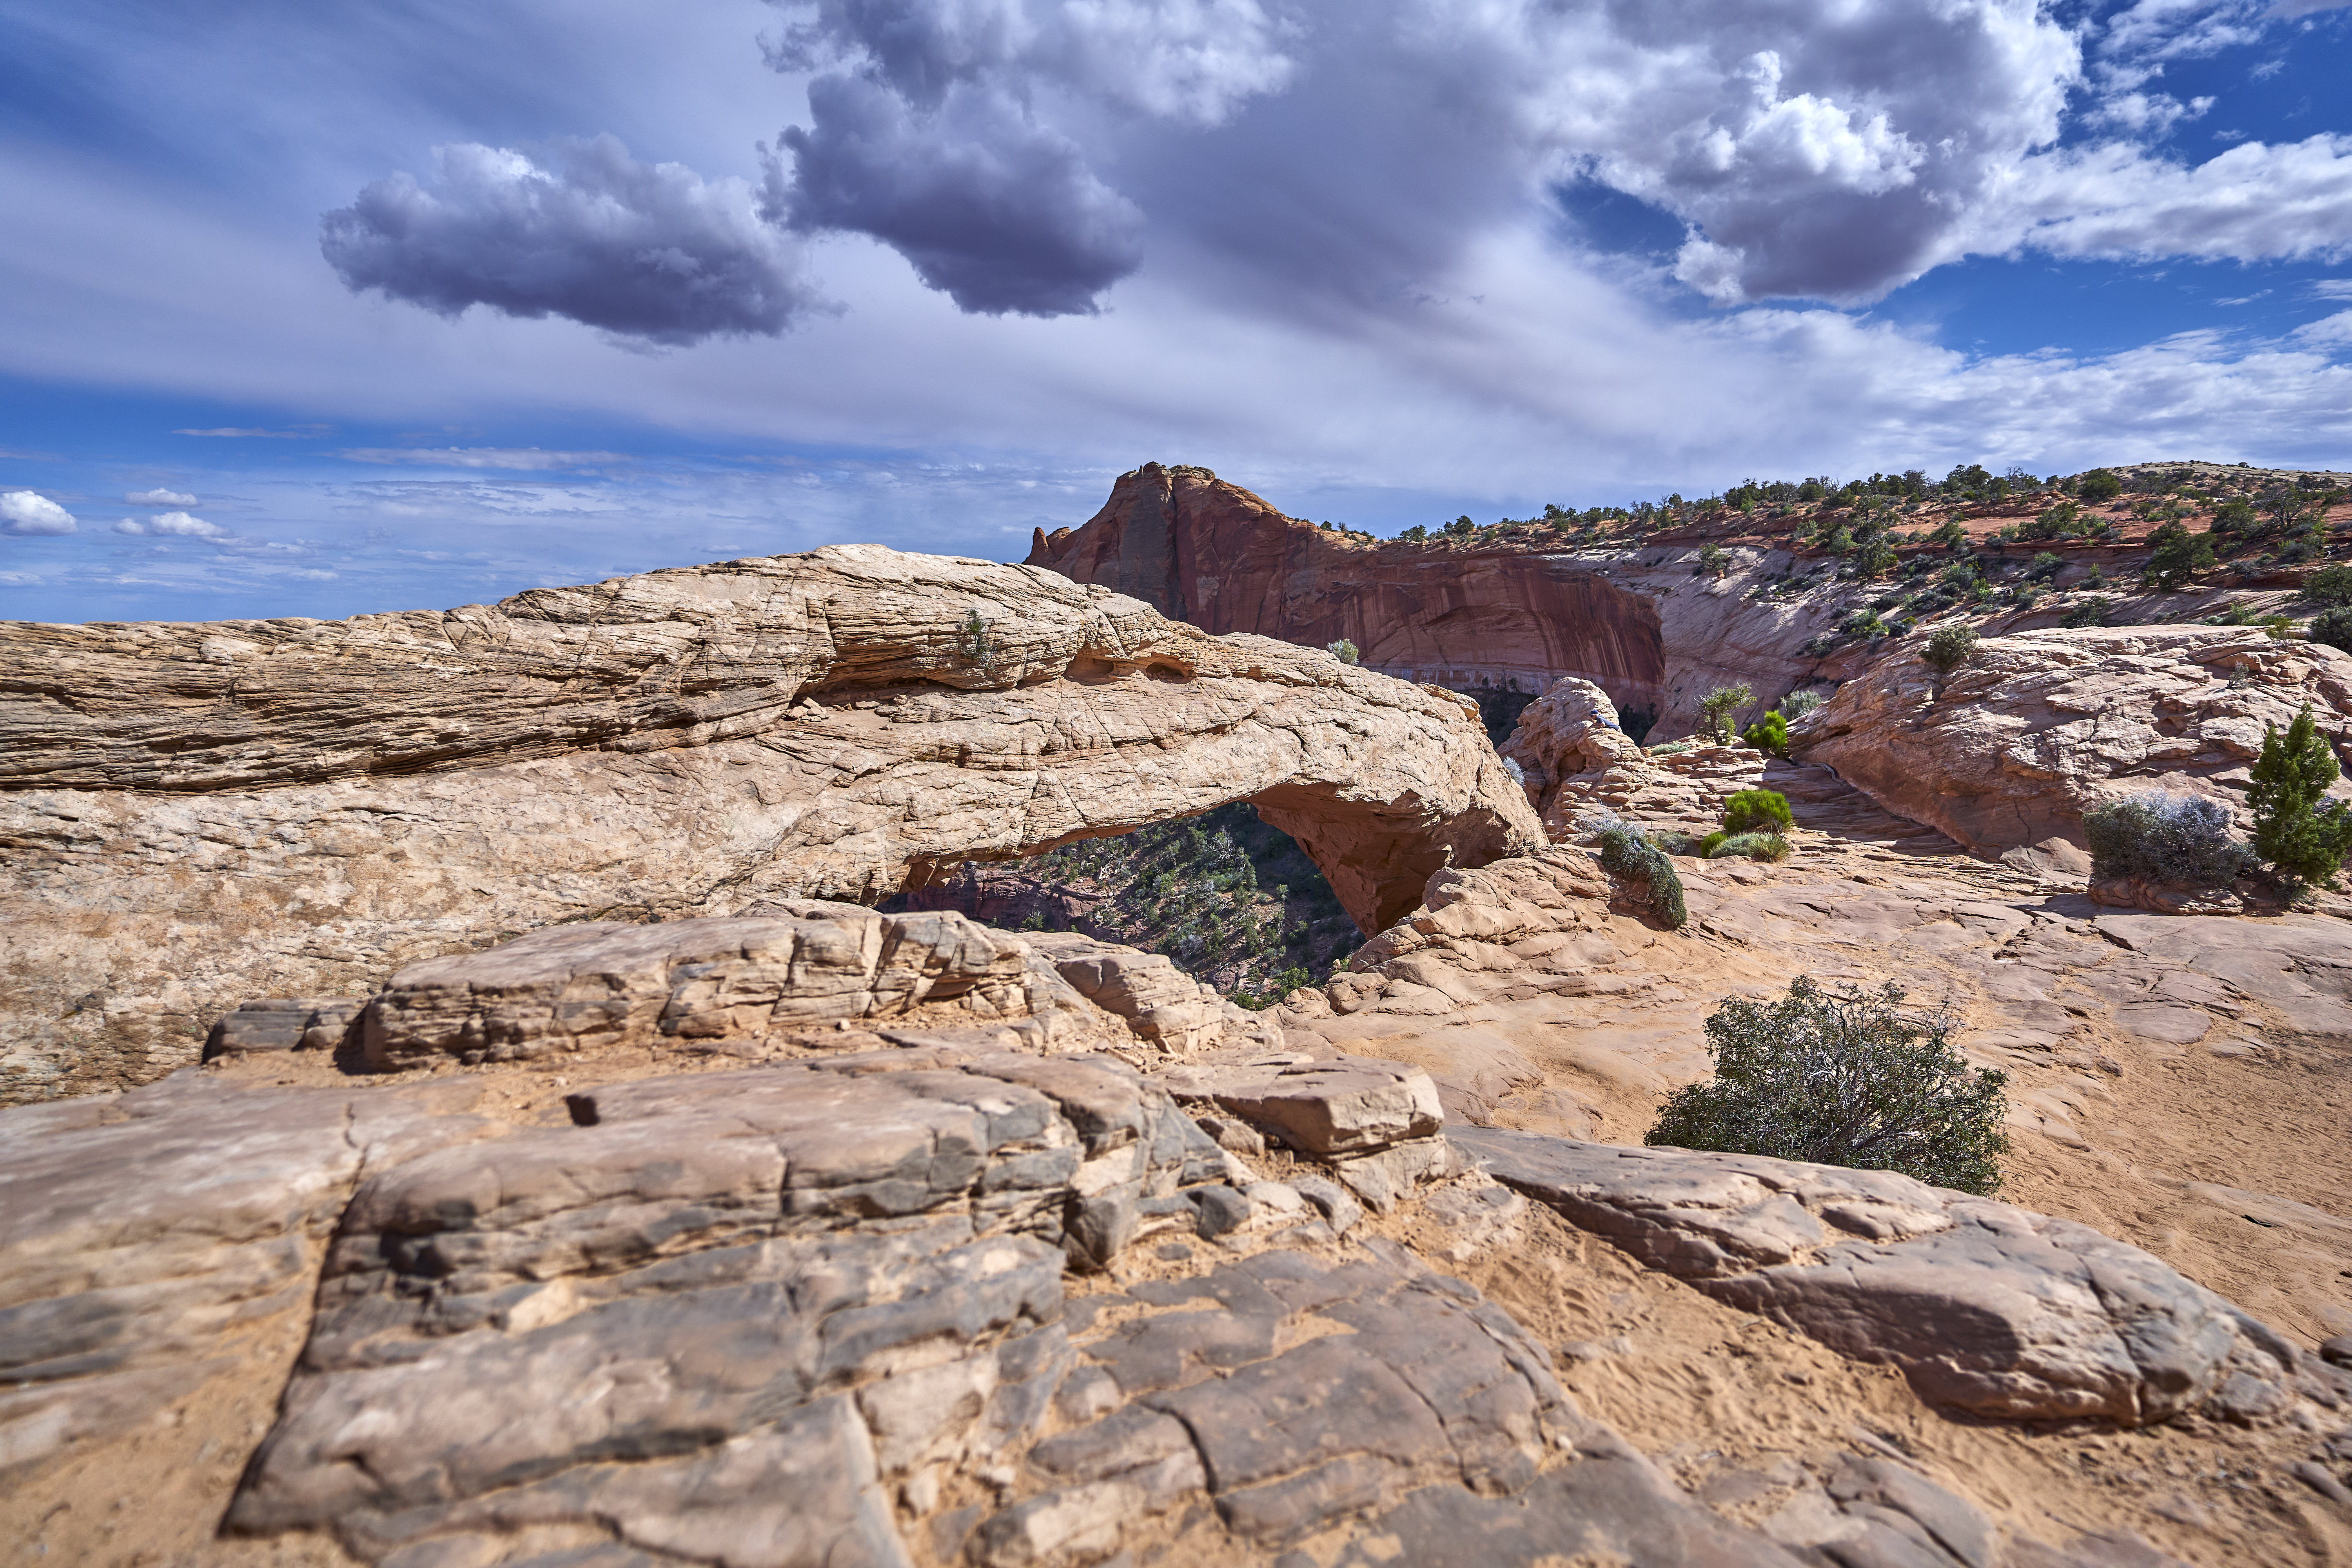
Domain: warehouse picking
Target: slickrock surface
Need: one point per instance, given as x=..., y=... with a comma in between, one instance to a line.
x=932, y=1305
x=1987, y=1308
x=2178, y=1082
x=197, y=814
x=2034, y=728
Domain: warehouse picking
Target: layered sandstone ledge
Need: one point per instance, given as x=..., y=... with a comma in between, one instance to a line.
x=938, y=1260
x=196, y=813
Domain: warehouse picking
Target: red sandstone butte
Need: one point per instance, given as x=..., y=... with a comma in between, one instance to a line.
x=1201, y=550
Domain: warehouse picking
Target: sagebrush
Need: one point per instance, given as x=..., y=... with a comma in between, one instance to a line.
x=1844, y=1076
x=1626, y=852
x=2159, y=836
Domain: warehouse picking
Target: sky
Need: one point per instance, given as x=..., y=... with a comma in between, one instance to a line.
x=321, y=310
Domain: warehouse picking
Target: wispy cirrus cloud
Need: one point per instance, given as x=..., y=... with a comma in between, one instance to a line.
x=518, y=458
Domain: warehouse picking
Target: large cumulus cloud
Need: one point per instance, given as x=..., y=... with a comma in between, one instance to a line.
x=579, y=229
x=1027, y=155
x=927, y=130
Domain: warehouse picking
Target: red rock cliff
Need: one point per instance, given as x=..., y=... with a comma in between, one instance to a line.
x=1210, y=552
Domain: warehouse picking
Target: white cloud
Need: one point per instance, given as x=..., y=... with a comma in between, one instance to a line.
x=522, y=458
x=174, y=524
x=233, y=433
x=29, y=512
x=2329, y=332
x=2253, y=201
x=159, y=498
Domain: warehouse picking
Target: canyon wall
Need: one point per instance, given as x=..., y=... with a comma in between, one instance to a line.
x=1201, y=550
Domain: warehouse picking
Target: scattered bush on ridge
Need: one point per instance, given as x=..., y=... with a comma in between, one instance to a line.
x=1842, y=1077
x=2333, y=627
x=1949, y=649
x=2329, y=586
x=2159, y=836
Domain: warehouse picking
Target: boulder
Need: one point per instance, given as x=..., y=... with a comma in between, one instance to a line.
x=1986, y=1307
x=205, y=814
x=2036, y=727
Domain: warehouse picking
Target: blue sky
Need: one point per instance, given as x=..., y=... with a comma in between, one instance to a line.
x=510, y=292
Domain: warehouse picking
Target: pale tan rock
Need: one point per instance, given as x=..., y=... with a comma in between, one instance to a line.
x=2038, y=726
x=205, y=814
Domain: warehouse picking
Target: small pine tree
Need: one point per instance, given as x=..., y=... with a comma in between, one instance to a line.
x=1842, y=1077
x=2305, y=842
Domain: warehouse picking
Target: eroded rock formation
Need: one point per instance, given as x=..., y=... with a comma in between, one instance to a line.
x=1210, y=552
x=926, y=1286
x=2034, y=728
x=195, y=813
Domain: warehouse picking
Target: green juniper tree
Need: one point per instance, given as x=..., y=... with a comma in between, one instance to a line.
x=2305, y=842
x=1842, y=1077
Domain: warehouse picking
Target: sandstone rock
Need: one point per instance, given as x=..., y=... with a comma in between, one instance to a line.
x=1985, y=1307
x=1353, y=1105
x=2038, y=726
x=153, y=1241
x=1201, y=550
x=338, y=799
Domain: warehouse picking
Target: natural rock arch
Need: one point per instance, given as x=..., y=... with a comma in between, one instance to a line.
x=207, y=810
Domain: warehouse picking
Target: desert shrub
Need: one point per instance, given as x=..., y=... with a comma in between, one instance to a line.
x=2329, y=586
x=1842, y=1077
x=1761, y=846
x=1718, y=707
x=1343, y=650
x=1769, y=734
x=2098, y=485
x=1797, y=704
x=2089, y=613
x=1949, y=649
x=2165, y=837
x=2305, y=842
x=2177, y=555
x=973, y=644
x=2045, y=564
x=1711, y=842
x=1754, y=809
x=1625, y=853
x=2333, y=627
